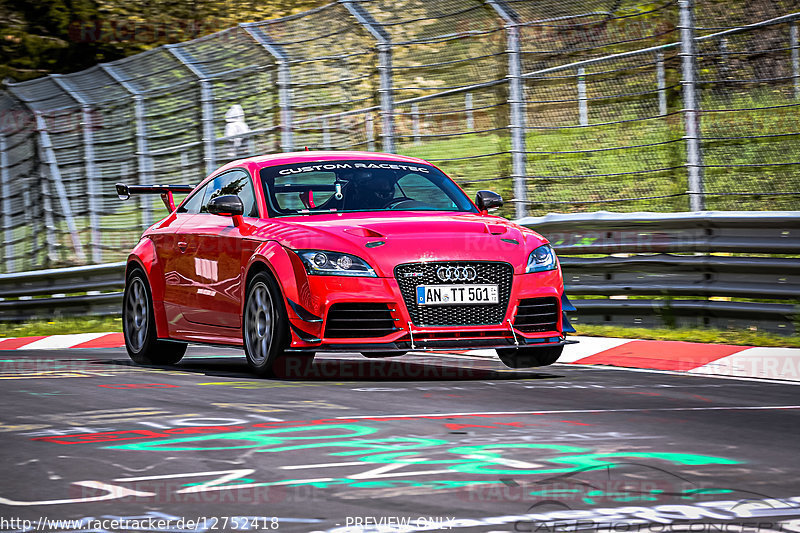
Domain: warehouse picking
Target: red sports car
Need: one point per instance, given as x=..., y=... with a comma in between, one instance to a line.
x=292, y=254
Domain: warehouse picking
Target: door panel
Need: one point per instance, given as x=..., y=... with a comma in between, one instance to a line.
x=165, y=238
x=216, y=253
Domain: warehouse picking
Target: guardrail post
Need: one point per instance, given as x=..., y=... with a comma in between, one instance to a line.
x=661, y=80
x=142, y=150
x=583, y=105
x=93, y=191
x=284, y=82
x=207, y=108
x=5, y=190
x=795, y=58
x=384, y=69
x=691, y=121
x=49, y=159
x=516, y=101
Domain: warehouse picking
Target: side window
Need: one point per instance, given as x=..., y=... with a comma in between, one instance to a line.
x=236, y=182
x=194, y=202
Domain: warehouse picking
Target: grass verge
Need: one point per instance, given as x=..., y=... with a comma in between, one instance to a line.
x=61, y=326
x=713, y=336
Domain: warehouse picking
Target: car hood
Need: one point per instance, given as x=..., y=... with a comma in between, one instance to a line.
x=385, y=241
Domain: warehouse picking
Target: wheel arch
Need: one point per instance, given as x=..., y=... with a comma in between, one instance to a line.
x=272, y=258
x=143, y=257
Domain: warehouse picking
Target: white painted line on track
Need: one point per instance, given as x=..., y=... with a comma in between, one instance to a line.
x=321, y=465
x=578, y=411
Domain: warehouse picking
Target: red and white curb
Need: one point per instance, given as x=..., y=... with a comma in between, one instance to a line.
x=62, y=342
x=674, y=356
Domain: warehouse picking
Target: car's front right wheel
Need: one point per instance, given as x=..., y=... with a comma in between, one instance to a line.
x=529, y=357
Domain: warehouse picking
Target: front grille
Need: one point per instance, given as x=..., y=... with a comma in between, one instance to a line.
x=359, y=320
x=537, y=314
x=409, y=275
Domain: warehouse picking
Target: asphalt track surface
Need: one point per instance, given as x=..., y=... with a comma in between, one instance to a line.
x=428, y=442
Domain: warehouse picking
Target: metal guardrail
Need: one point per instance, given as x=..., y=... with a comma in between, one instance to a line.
x=720, y=269
x=93, y=290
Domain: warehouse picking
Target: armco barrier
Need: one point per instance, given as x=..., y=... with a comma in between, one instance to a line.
x=720, y=269
x=94, y=290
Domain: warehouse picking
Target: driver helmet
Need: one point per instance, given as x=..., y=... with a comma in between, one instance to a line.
x=372, y=189
x=381, y=187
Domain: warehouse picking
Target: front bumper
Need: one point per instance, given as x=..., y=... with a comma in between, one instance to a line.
x=308, y=318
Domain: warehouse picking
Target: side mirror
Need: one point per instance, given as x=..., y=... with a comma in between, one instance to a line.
x=230, y=205
x=487, y=200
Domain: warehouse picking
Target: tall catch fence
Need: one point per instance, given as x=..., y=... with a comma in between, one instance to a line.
x=560, y=106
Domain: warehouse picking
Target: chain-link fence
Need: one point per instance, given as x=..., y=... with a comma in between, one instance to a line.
x=560, y=106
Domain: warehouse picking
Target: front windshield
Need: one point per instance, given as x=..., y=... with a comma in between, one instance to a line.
x=350, y=186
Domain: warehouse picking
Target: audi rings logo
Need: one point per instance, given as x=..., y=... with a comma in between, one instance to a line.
x=456, y=273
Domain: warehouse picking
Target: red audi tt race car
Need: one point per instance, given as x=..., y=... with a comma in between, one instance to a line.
x=292, y=254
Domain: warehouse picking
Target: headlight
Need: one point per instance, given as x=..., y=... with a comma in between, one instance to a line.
x=541, y=259
x=323, y=263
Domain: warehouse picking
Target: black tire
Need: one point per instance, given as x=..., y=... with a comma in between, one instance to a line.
x=265, y=325
x=139, y=325
x=529, y=357
x=382, y=355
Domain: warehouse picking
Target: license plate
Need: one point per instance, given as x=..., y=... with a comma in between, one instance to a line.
x=456, y=294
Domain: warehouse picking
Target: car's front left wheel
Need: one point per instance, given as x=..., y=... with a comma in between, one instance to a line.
x=529, y=357
x=265, y=330
x=139, y=325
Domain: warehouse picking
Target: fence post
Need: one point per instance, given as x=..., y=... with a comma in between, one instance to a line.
x=415, y=122
x=49, y=221
x=49, y=159
x=142, y=150
x=795, y=58
x=516, y=101
x=384, y=69
x=207, y=107
x=691, y=120
x=284, y=81
x=470, y=114
x=583, y=105
x=661, y=80
x=723, y=57
x=93, y=192
x=5, y=191
x=369, y=124
x=326, y=135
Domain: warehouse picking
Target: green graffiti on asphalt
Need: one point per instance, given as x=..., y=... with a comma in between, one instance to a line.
x=480, y=460
x=487, y=455
x=251, y=439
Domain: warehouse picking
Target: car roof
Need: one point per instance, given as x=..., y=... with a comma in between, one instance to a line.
x=320, y=155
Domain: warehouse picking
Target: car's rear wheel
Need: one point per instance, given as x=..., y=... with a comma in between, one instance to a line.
x=139, y=325
x=266, y=331
x=529, y=357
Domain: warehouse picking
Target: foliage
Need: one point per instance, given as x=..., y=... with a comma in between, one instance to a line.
x=60, y=36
